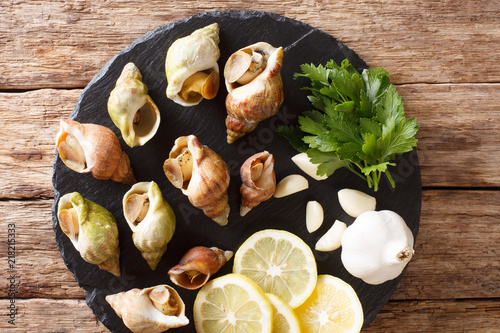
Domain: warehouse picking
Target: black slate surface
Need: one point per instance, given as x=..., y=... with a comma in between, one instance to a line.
x=302, y=44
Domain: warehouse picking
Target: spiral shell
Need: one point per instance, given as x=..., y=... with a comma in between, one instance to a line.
x=253, y=81
x=191, y=66
x=258, y=181
x=132, y=109
x=149, y=310
x=151, y=220
x=93, y=148
x=202, y=175
x=197, y=266
x=92, y=230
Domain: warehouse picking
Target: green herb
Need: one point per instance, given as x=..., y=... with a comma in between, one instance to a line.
x=358, y=122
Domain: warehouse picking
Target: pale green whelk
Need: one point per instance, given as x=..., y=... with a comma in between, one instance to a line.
x=151, y=220
x=132, y=109
x=191, y=66
x=92, y=229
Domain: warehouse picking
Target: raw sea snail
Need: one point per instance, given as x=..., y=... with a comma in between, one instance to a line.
x=149, y=310
x=151, y=220
x=132, y=109
x=93, y=148
x=92, y=230
x=197, y=266
x=191, y=66
x=253, y=81
x=258, y=181
x=202, y=175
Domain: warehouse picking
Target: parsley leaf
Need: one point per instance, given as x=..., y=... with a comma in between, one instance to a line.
x=358, y=121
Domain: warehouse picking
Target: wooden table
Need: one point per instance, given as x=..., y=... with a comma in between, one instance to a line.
x=443, y=56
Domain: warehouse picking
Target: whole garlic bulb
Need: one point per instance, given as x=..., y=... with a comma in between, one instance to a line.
x=377, y=246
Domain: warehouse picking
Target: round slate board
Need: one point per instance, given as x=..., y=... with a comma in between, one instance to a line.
x=301, y=44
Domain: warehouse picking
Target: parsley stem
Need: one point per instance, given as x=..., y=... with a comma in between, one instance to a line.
x=389, y=176
x=350, y=167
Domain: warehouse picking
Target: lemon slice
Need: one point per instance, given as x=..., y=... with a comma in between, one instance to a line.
x=280, y=263
x=285, y=320
x=332, y=307
x=232, y=303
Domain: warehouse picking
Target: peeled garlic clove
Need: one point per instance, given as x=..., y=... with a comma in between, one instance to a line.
x=304, y=163
x=131, y=108
x=197, y=266
x=355, y=202
x=291, y=184
x=92, y=230
x=151, y=220
x=258, y=181
x=332, y=239
x=191, y=66
x=202, y=175
x=314, y=216
x=153, y=310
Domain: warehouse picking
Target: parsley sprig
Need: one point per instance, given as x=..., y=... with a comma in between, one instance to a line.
x=358, y=122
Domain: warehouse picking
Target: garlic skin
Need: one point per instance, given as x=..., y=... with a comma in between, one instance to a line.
x=377, y=246
x=304, y=163
x=314, y=216
x=291, y=184
x=355, y=202
x=332, y=239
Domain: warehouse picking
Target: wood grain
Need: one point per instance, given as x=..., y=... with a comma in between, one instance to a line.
x=457, y=129
x=443, y=55
x=466, y=221
x=65, y=43
x=396, y=317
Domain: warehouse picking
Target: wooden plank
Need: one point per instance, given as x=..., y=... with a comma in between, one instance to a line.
x=48, y=315
x=459, y=138
x=438, y=316
x=63, y=44
x=458, y=238
x=27, y=145
x=37, y=264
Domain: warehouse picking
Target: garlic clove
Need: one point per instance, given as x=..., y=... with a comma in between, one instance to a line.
x=304, y=163
x=291, y=184
x=314, y=216
x=355, y=202
x=331, y=240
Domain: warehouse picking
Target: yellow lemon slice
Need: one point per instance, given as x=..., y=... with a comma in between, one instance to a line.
x=332, y=307
x=232, y=303
x=285, y=320
x=280, y=263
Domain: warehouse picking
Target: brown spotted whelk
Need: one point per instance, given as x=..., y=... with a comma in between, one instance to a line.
x=253, y=81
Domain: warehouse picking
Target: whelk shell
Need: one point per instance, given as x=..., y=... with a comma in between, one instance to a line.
x=150, y=310
x=191, y=66
x=253, y=81
x=258, y=181
x=132, y=109
x=93, y=148
x=202, y=175
x=151, y=220
x=197, y=266
x=92, y=230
